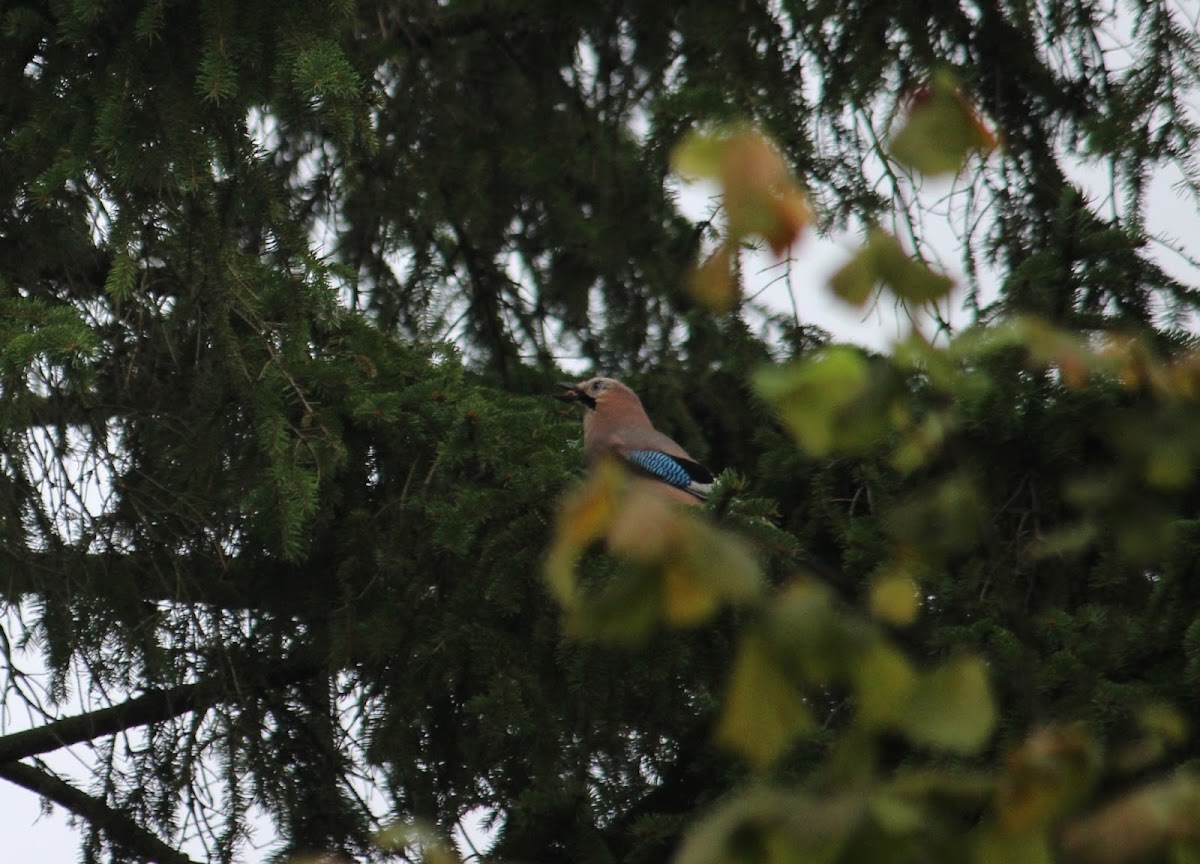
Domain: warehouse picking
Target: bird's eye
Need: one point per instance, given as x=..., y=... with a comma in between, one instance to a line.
x=596, y=386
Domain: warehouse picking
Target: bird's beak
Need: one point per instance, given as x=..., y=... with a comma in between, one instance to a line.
x=571, y=392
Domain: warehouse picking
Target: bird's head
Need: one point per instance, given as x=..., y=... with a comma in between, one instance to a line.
x=595, y=392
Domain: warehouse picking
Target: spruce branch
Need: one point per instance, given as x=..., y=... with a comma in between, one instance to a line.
x=153, y=707
x=262, y=585
x=120, y=828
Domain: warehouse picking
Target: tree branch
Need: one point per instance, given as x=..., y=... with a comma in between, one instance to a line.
x=120, y=828
x=262, y=584
x=153, y=707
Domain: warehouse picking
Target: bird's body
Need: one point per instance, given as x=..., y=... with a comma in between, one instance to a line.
x=615, y=424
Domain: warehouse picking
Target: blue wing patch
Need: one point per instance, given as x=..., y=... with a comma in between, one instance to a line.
x=680, y=473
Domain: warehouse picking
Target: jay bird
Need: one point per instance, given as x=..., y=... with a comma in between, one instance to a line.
x=615, y=424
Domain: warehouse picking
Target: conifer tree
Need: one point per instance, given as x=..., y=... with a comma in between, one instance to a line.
x=283, y=288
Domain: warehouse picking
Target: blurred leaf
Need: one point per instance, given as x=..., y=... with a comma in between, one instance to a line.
x=1162, y=728
x=1070, y=540
x=923, y=441
x=713, y=283
x=644, y=526
x=941, y=129
x=897, y=814
x=951, y=708
x=771, y=825
x=1164, y=721
x=895, y=598
x=999, y=847
x=883, y=681
x=941, y=518
x=407, y=837
x=883, y=261
x=763, y=713
x=582, y=519
x=682, y=569
x=1053, y=347
x=971, y=789
x=855, y=281
x=588, y=512
x=904, y=275
x=709, y=562
x=1045, y=777
x=1170, y=464
x=698, y=155
x=954, y=369
x=832, y=401
x=819, y=642
x=789, y=214
x=627, y=610
x=761, y=197
x=1143, y=529
x=1139, y=825
x=687, y=600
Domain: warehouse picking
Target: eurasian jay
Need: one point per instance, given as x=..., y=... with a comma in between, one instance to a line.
x=615, y=424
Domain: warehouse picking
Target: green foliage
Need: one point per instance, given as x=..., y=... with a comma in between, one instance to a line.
x=798, y=646
x=283, y=288
x=31, y=331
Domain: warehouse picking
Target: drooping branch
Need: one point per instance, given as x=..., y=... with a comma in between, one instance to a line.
x=153, y=707
x=120, y=828
x=262, y=585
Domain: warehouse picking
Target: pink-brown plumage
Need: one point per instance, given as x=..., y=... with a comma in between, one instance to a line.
x=616, y=424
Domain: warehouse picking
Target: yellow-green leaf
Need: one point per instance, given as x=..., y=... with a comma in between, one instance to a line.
x=951, y=708
x=583, y=518
x=1164, y=721
x=883, y=682
x=923, y=441
x=626, y=611
x=698, y=155
x=896, y=814
x=712, y=283
x=1162, y=728
x=895, y=598
x=904, y=275
x=941, y=129
x=817, y=642
x=763, y=713
x=723, y=562
x=687, y=600
x=409, y=837
x=822, y=400
x=761, y=197
x=645, y=526
x=993, y=846
x=856, y=280
x=771, y=826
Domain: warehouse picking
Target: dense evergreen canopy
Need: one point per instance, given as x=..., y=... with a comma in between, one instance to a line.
x=283, y=288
